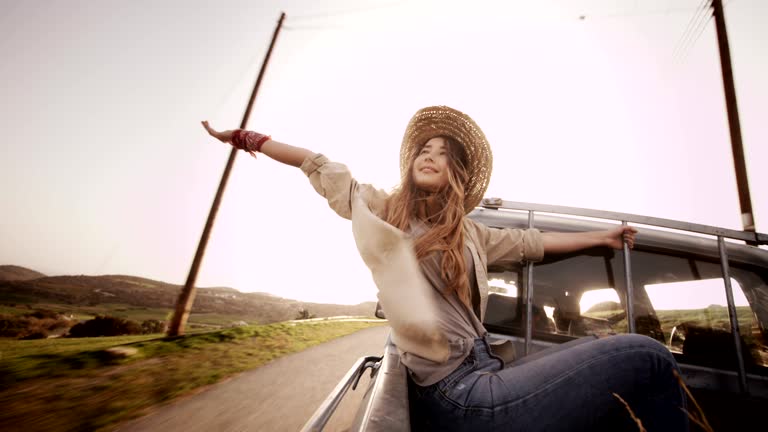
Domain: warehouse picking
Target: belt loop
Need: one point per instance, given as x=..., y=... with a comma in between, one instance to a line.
x=486, y=344
x=479, y=346
x=463, y=344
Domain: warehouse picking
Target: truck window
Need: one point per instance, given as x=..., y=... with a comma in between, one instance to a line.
x=688, y=296
x=573, y=295
x=678, y=300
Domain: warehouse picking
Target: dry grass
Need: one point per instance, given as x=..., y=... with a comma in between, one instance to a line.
x=631, y=413
x=697, y=417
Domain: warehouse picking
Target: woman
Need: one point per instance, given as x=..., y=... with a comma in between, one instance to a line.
x=429, y=261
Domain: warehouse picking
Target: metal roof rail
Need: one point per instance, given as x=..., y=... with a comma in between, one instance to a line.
x=747, y=236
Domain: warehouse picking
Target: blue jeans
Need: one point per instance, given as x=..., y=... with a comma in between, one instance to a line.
x=568, y=387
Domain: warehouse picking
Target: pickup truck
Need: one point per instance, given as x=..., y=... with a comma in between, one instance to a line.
x=702, y=291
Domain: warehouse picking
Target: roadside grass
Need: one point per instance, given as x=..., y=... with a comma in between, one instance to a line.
x=217, y=319
x=22, y=360
x=72, y=385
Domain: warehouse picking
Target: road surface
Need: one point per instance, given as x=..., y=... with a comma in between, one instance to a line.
x=279, y=396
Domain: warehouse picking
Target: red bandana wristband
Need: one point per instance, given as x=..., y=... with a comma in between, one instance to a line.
x=249, y=141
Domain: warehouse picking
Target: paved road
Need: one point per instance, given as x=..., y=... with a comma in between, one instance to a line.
x=279, y=396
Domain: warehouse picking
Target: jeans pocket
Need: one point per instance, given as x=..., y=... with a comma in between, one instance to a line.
x=465, y=368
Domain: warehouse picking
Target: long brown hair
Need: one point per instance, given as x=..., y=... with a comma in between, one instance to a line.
x=442, y=211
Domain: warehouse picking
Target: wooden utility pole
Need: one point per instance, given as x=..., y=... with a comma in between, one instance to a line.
x=187, y=296
x=747, y=218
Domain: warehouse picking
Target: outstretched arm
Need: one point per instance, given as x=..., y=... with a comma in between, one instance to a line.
x=276, y=150
x=571, y=242
x=285, y=153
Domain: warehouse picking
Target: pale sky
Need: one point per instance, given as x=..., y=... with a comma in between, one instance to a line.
x=105, y=169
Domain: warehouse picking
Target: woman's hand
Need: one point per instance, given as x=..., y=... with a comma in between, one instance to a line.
x=223, y=136
x=617, y=236
x=289, y=155
x=555, y=242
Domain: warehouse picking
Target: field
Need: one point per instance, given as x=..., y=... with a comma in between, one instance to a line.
x=714, y=318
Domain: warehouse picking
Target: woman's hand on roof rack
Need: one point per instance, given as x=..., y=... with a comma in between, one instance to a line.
x=618, y=235
x=555, y=242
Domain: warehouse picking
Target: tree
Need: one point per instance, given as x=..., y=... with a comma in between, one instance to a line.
x=104, y=325
x=304, y=314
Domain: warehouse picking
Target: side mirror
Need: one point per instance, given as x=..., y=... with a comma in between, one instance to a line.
x=379, y=311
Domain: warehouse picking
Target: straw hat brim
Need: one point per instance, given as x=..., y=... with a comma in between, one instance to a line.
x=435, y=121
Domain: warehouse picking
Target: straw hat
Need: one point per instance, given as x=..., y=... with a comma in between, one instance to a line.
x=434, y=121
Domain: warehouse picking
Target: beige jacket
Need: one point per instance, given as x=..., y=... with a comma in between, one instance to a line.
x=404, y=293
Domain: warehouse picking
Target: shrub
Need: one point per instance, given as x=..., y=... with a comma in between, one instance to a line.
x=153, y=326
x=105, y=325
x=38, y=322
x=303, y=314
x=12, y=326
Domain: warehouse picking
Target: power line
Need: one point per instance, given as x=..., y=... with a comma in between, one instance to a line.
x=698, y=20
x=301, y=27
x=689, y=28
x=690, y=48
x=337, y=13
x=251, y=65
x=638, y=14
x=700, y=9
x=695, y=34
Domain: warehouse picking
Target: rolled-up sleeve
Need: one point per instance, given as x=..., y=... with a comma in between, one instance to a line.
x=333, y=181
x=511, y=245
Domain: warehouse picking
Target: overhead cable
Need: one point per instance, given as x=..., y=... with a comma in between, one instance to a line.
x=337, y=13
x=694, y=24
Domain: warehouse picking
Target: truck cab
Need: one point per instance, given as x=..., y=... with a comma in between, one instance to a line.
x=701, y=291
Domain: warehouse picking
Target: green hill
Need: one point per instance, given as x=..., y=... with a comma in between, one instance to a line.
x=605, y=307
x=141, y=298
x=12, y=272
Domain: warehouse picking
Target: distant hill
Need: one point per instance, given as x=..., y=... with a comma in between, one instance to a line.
x=12, y=272
x=148, y=293
x=605, y=306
